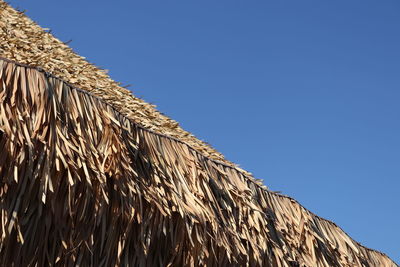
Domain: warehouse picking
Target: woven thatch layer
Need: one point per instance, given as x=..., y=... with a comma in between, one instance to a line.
x=80, y=182
x=24, y=41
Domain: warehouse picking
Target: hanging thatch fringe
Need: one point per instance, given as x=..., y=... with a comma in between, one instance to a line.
x=81, y=183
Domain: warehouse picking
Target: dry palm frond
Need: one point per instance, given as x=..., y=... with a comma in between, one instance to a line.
x=82, y=183
x=97, y=177
x=25, y=42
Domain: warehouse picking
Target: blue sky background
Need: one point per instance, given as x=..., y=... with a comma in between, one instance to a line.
x=303, y=94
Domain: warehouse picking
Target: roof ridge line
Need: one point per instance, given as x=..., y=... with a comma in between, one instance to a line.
x=243, y=172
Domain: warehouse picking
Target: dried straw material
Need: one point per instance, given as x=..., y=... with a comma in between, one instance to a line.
x=82, y=183
x=97, y=177
x=25, y=42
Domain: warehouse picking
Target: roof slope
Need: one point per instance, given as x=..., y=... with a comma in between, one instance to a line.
x=91, y=174
x=16, y=39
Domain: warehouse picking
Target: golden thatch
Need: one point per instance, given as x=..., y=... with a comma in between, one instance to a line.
x=96, y=177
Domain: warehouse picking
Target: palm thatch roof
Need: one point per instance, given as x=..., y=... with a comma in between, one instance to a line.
x=93, y=176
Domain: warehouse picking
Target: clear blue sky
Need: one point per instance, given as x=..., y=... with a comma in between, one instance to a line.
x=303, y=94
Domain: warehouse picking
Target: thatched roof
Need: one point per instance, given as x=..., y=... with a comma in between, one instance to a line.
x=93, y=176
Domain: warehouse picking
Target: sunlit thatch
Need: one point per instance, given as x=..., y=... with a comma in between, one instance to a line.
x=96, y=177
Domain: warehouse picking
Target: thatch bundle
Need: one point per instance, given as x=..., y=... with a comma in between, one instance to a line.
x=96, y=177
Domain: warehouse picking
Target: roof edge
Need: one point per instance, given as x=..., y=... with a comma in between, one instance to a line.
x=250, y=178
